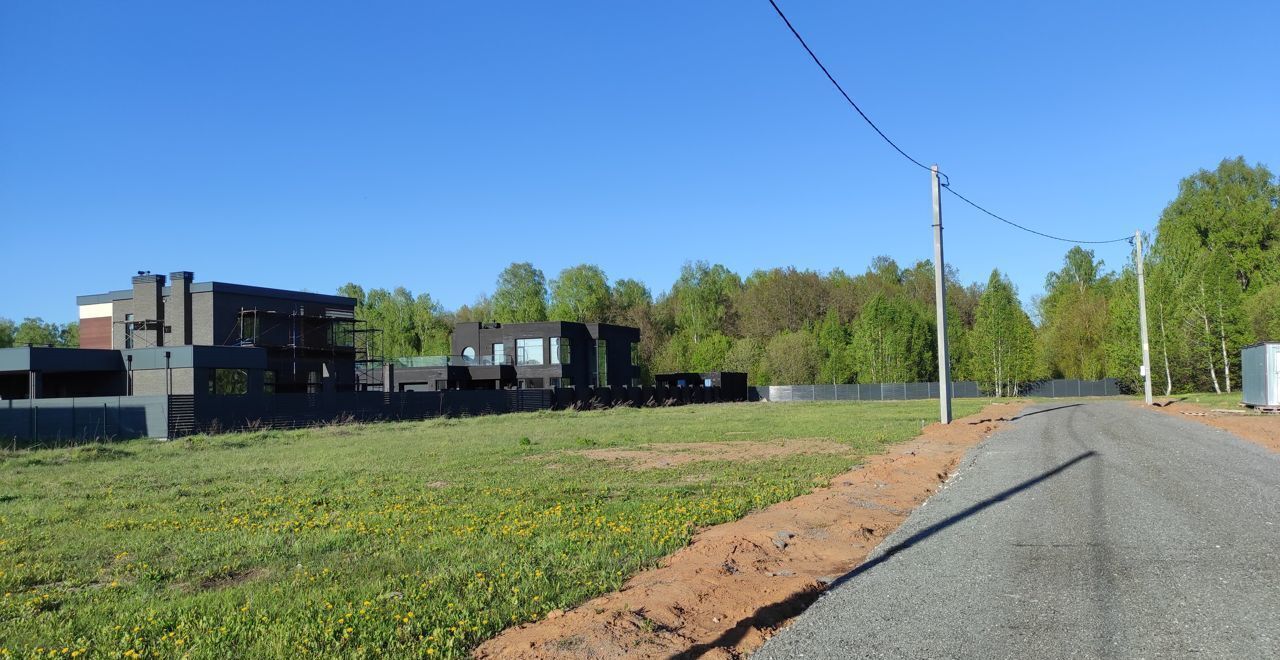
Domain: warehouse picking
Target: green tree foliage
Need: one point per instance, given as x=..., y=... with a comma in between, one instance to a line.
x=1002, y=345
x=631, y=304
x=69, y=335
x=746, y=356
x=792, y=358
x=477, y=312
x=835, y=344
x=35, y=331
x=7, y=330
x=410, y=326
x=710, y=353
x=778, y=300
x=1124, y=354
x=1263, y=312
x=1073, y=315
x=580, y=294
x=1213, y=285
x=1231, y=211
x=521, y=296
x=892, y=343
x=703, y=299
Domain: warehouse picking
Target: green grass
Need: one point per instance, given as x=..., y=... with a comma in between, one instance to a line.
x=402, y=539
x=1230, y=401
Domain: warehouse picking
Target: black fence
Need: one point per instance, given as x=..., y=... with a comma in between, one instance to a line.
x=225, y=413
x=26, y=421
x=910, y=391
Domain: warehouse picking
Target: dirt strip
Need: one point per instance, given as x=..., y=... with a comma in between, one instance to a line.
x=1259, y=428
x=725, y=593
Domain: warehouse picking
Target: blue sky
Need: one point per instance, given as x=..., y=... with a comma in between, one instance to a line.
x=304, y=145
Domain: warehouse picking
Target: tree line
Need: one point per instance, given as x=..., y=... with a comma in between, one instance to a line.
x=37, y=332
x=1213, y=286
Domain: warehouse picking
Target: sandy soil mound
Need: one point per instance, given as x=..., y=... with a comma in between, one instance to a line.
x=724, y=594
x=1263, y=429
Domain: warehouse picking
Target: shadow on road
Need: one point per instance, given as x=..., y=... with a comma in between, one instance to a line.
x=771, y=615
x=1018, y=417
x=1045, y=410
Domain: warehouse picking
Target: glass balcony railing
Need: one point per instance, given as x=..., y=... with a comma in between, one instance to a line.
x=451, y=361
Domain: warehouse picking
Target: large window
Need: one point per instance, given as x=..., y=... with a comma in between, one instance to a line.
x=561, y=350
x=499, y=353
x=602, y=362
x=268, y=382
x=529, y=351
x=229, y=381
x=128, y=330
x=635, y=353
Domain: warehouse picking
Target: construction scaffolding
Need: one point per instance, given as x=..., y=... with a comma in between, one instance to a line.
x=303, y=335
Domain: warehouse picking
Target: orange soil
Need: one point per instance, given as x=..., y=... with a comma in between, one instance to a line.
x=1263, y=429
x=725, y=593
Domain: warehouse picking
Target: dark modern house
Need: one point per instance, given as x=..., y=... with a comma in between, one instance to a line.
x=730, y=385
x=169, y=357
x=199, y=338
x=552, y=354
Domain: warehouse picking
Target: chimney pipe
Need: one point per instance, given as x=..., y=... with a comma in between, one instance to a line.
x=179, y=308
x=148, y=309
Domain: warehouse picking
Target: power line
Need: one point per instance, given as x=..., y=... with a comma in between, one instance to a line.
x=841, y=89
x=947, y=183
x=1011, y=223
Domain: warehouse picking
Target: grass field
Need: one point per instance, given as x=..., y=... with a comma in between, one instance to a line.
x=404, y=539
x=1229, y=401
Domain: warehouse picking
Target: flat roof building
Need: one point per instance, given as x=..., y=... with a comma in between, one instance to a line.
x=199, y=338
x=538, y=355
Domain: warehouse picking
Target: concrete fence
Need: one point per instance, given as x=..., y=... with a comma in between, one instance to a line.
x=83, y=418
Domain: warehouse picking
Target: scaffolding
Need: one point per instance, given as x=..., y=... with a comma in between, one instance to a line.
x=306, y=335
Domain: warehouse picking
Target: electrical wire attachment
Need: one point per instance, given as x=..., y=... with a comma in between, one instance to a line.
x=946, y=179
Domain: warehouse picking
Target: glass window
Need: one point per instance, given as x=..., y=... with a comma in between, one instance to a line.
x=561, y=349
x=602, y=362
x=469, y=353
x=529, y=351
x=248, y=328
x=128, y=330
x=230, y=381
x=268, y=382
x=635, y=353
x=499, y=353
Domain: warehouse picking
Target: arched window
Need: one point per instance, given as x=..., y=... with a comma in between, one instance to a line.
x=469, y=353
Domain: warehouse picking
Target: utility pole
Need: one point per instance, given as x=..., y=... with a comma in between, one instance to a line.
x=940, y=298
x=1142, y=318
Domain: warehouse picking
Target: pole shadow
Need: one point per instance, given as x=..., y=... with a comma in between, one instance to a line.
x=775, y=613
x=1018, y=417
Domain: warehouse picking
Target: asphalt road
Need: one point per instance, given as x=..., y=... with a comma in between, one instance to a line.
x=1094, y=530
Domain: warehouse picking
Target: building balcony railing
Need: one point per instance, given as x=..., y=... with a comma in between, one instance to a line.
x=452, y=361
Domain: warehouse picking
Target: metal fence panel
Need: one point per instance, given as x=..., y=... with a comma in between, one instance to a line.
x=965, y=389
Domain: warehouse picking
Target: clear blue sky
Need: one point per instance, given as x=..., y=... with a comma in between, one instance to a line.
x=304, y=145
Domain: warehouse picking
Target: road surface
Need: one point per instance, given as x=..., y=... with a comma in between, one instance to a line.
x=1094, y=530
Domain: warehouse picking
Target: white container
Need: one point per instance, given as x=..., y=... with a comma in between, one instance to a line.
x=1260, y=364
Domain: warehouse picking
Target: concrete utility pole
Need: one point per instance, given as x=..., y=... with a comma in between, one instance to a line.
x=940, y=298
x=1142, y=318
